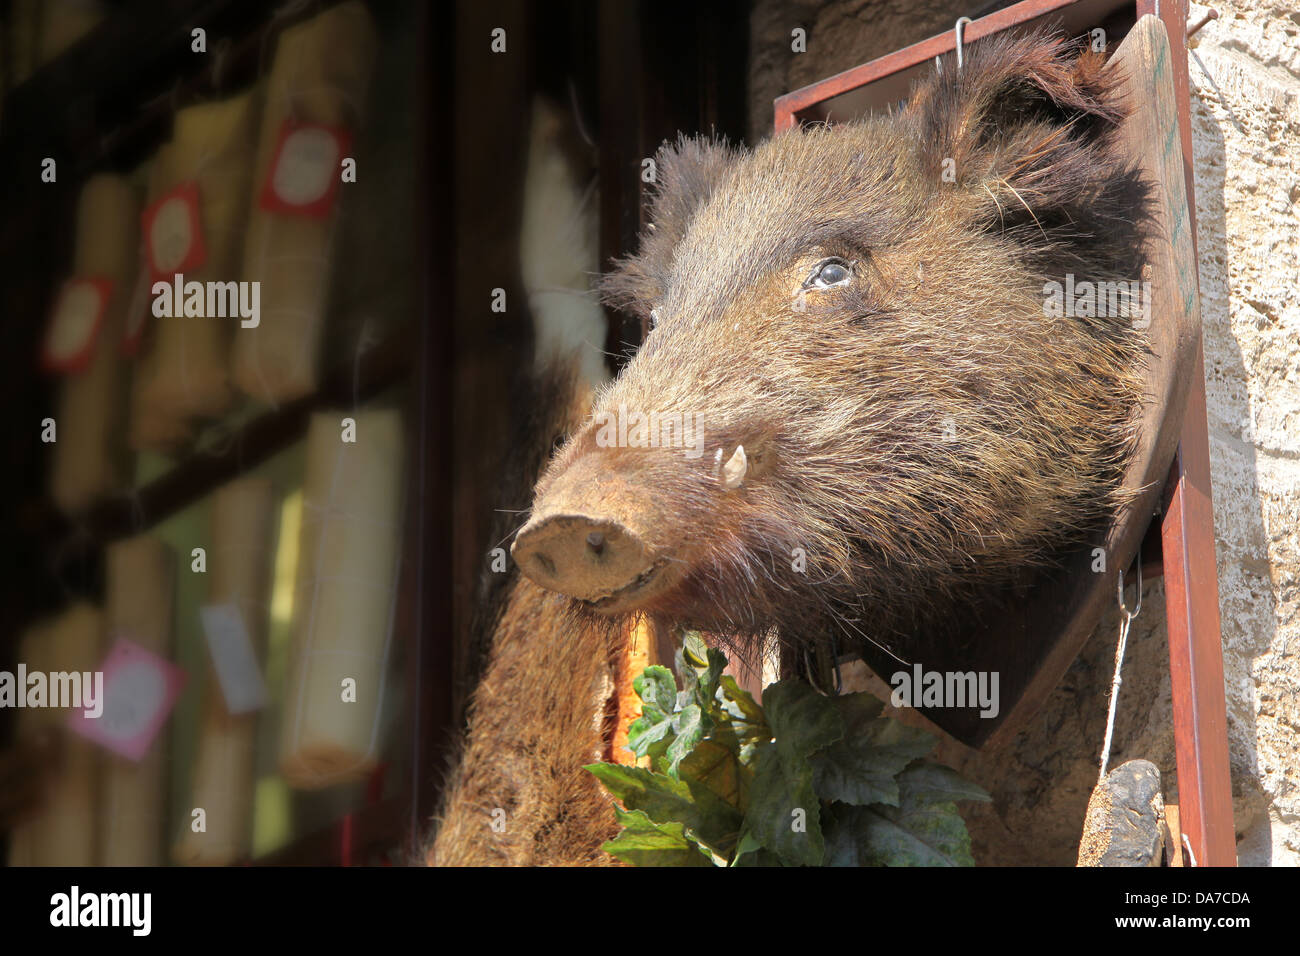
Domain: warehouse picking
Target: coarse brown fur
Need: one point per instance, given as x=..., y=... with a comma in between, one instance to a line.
x=534, y=723
x=918, y=435
x=518, y=795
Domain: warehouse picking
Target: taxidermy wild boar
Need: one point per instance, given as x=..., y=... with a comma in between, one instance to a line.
x=870, y=416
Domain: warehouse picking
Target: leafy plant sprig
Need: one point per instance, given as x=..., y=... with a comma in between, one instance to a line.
x=803, y=780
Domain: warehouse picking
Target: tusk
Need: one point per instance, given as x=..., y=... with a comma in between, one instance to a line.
x=733, y=472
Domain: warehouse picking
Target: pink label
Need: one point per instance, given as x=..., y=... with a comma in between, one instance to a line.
x=140, y=690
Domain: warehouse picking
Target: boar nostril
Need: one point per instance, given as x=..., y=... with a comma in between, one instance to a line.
x=545, y=563
x=596, y=542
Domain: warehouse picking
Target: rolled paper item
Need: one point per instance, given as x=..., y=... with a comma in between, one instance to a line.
x=212, y=147
x=63, y=833
x=31, y=648
x=92, y=402
x=133, y=806
x=319, y=76
x=240, y=571
x=153, y=426
x=344, y=597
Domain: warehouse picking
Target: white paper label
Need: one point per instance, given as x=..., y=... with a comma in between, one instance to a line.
x=132, y=701
x=233, y=658
x=74, y=323
x=171, y=234
x=308, y=163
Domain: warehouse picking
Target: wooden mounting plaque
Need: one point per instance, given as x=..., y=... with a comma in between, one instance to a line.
x=1032, y=632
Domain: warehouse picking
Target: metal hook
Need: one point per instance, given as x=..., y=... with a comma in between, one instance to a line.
x=1119, y=662
x=961, y=23
x=1119, y=592
x=1211, y=15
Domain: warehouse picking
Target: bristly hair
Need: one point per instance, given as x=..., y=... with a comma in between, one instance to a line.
x=1031, y=128
x=686, y=174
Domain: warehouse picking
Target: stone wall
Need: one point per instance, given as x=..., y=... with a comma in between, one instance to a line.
x=1245, y=78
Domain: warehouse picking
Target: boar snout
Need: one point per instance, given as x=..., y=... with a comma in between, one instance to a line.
x=587, y=537
x=587, y=558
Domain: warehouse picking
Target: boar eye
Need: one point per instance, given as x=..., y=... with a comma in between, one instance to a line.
x=829, y=272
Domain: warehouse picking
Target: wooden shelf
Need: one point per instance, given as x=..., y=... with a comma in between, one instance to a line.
x=103, y=100
x=106, y=103
x=203, y=472
x=348, y=840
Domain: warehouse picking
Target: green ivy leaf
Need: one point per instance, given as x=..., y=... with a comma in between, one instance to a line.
x=925, y=829
x=749, y=852
x=717, y=783
x=783, y=788
x=739, y=703
x=693, y=650
x=714, y=765
x=690, y=725
x=731, y=773
x=862, y=767
x=643, y=842
x=651, y=734
x=663, y=799
x=657, y=688
x=802, y=722
x=746, y=717
x=933, y=781
x=700, y=666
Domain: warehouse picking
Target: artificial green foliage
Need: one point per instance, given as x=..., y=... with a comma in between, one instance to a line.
x=804, y=779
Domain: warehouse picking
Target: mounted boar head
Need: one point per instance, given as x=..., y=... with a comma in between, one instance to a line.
x=856, y=406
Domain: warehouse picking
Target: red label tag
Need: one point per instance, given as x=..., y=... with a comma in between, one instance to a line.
x=74, y=326
x=303, y=179
x=173, y=232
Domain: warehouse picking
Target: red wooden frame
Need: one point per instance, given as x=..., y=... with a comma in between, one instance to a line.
x=1187, y=518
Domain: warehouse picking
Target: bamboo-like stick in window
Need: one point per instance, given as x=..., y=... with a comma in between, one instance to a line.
x=141, y=575
x=319, y=76
x=64, y=831
x=87, y=455
x=344, y=599
x=240, y=571
x=187, y=372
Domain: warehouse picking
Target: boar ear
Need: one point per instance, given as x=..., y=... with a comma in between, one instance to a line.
x=686, y=174
x=1030, y=129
